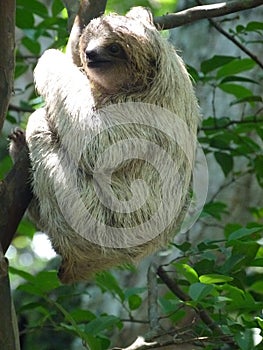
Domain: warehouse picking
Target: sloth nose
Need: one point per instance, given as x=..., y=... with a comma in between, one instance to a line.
x=91, y=54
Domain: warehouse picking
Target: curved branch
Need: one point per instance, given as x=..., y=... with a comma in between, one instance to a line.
x=15, y=194
x=7, y=62
x=193, y=14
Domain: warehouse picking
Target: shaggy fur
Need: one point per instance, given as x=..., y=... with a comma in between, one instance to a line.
x=68, y=136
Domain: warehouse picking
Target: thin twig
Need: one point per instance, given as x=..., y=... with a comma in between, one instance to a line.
x=233, y=39
x=20, y=109
x=171, y=284
x=193, y=14
x=152, y=297
x=232, y=122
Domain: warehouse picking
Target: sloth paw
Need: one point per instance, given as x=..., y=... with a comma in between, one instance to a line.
x=17, y=144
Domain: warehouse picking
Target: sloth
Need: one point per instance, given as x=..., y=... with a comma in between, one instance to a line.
x=100, y=206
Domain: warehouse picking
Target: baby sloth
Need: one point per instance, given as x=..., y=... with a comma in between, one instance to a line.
x=112, y=151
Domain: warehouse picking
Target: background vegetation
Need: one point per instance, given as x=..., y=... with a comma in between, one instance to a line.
x=211, y=295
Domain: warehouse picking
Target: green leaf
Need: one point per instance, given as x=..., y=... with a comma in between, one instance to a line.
x=107, y=282
x=27, y=276
x=20, y=69
x=257, y=262
x=215, y=209
x=184, y=247
x=243, y=232
x=134, y=301
x=233, y=263
x=12, y=120
x=257, y=287
x=199, y=291
x=250, y=99
x=237, y=78
x=6, y=165
x=94, y=342
x=31, y=289
x=35, y=306
x=225, y=161
x=205, y=265
x=259, y=169
x=247, y=145
x=82, y=316
x=26, y=228
x=260, y=321
x=215, y=62
x=240, y=28
x=246, y=251
x=214, y=278
x=57, y=7
x=43, y=282
x=240, y=299
x=245, y=340
x=221, y=141
x=187, y=271
x=46, y=281
x=102, y=323
x=235, y=67
x=169, y=302
x=32, y=45
x=230, y=228
x=24, y=18
x=134, y=290
x=238, y=91
x=33, y=6
x=193, y=73
x=254, y=26
x=214, y=124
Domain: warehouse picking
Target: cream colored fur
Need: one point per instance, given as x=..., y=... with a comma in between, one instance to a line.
x=65, y=147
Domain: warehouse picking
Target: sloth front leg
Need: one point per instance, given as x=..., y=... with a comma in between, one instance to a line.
x=39, y=140
x=18, y=143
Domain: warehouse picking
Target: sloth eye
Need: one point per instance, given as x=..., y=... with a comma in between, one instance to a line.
x=115, y=49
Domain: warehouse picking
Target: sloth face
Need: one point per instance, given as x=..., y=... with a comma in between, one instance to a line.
x=119, y=54
x=107, y=65
x=104, y=57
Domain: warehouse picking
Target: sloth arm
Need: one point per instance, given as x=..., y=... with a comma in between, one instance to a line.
x=68, y=111
x=66, y=92
x=67, y=96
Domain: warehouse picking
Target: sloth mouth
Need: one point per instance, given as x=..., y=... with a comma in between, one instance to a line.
x=99, y=63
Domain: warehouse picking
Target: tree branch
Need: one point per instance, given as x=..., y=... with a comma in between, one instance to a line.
x=15, y=194
x=7, y=61
x=9, y=339
x=171, y=284
x=193, y=14
x=20, y=109
x=232, y=122
x=153, y=314
x=234, y=40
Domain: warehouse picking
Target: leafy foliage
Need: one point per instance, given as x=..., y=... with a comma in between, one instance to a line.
x=221, y=278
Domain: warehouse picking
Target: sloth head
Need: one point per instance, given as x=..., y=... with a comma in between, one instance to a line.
x=120, y=53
